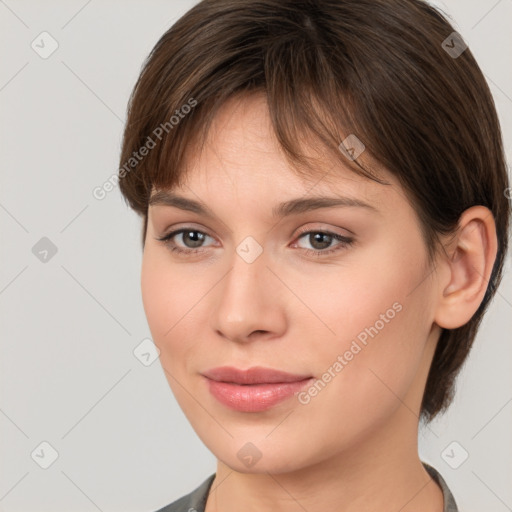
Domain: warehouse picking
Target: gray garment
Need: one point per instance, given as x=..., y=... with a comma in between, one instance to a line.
x=196, y=500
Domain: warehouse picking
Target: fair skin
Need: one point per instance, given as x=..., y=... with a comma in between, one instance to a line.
x=353, y=446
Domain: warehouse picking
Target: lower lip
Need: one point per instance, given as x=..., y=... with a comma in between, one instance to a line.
x=254, y=397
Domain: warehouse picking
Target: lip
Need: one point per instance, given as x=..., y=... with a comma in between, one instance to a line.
x=255, y=389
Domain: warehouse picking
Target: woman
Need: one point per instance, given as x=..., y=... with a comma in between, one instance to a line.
x=322, y=185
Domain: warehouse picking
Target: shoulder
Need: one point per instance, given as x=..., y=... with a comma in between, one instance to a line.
x=192, y=502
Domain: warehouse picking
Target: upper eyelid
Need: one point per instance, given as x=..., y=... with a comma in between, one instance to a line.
x=301, y=231
x=179, y=231
x=225, y=228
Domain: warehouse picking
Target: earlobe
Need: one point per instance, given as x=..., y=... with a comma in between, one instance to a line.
x=469, y=265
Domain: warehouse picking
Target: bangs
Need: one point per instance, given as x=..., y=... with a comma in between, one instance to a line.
x=309, y=133
x=309, y=92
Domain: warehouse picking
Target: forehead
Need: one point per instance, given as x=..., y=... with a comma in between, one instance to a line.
x=241, y=146
x=242, y=164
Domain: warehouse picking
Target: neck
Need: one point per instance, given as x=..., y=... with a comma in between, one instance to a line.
x=366, y=477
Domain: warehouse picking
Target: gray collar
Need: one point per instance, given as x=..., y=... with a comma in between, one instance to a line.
x=449, y=500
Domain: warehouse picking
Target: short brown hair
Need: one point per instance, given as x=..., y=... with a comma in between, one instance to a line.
x=378, y=69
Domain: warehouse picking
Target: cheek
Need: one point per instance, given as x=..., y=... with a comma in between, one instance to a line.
x=378, y=322
x=172, y=296
x=168, y=295
x=164, y=297
x=154, y=298
x=357, y=297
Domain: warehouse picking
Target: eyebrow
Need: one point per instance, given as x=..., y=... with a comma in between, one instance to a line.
x=285, y=209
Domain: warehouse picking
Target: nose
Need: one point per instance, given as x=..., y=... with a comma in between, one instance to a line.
x=249, y=302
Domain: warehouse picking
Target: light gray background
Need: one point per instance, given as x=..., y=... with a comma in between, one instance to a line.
x=69, y=326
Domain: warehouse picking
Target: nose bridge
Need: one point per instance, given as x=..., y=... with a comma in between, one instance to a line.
x=248, y=267
x=246, y=302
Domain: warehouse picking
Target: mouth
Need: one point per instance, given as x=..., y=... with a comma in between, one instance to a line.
x=255, y=389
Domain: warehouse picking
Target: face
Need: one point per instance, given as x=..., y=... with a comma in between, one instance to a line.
x=336, y=297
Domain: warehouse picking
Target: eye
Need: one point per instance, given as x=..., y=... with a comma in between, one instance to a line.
x=191, y=238
x=321, y=240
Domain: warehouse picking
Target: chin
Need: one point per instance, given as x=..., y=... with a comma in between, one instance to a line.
x=261, y=456
x=277, y=464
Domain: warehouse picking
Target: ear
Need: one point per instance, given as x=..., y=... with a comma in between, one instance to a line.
x=466, y=270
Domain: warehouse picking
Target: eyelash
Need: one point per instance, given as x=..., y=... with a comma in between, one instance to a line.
x=344, y=242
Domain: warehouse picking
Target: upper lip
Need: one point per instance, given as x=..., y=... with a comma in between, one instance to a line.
x=254, y=375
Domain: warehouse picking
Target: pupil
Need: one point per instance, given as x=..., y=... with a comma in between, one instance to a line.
x=198, y=236
x=321, y=235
